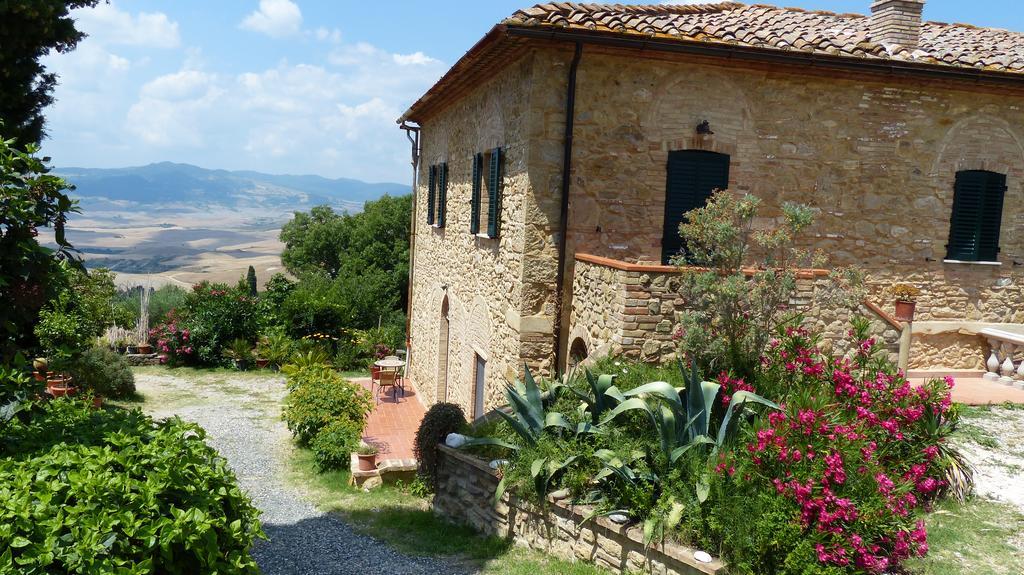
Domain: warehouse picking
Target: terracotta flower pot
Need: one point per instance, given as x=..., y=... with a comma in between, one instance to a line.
x=60, y=387
x=145, y=349
x=905, y=310
x=97, y=401
x=39, y=376
x=262, y=363
x=374, y=371
x=367, y=461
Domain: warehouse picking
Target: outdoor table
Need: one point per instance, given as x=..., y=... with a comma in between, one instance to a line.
x=393, y=364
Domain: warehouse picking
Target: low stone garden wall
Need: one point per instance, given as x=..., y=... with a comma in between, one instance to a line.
x=465, y=494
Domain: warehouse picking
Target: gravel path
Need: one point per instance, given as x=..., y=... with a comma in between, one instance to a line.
x=242, y=419
x=998, y=459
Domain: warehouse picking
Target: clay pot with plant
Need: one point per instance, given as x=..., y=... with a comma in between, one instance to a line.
x=906, y=301
x=367, y=455
x=239, y=352
x=60, y=385
x=145, y=348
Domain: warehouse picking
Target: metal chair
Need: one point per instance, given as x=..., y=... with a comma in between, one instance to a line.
x=387, y=378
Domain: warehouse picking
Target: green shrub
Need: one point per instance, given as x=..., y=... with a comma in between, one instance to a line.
x=319, y=397
x=335, y=443
x=215, y=315
x=440, y=420
x=111, y=491
x=105, y=373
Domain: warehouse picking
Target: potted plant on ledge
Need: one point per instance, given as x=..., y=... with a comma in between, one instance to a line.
x=906, y=301
x=240, y=353
x=367, y=455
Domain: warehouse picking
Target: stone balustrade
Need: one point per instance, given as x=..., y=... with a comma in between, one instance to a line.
x=1005, y=362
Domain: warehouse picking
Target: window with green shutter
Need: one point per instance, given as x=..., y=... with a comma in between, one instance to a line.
x=474, y=216
x=486, y=199
x=977, y=216
x=442, y=194
x=431, y=193
x=693, y=175
x=494, y=182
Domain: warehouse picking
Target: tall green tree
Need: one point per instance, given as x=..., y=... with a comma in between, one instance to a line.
x=373, y=242
x=30, y=274
x=250, y=280
x=29, y=30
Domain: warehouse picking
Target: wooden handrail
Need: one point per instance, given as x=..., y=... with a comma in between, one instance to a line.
x=663, y=269
x=889, y=319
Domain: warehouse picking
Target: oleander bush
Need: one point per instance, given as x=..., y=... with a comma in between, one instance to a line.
x=319, y=396
x=440, y=420
x=112, y=491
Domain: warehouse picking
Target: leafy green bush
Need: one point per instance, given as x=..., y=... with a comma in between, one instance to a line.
x=334, y=444
x=105, y=373
x=440, y=420
x=111, y=491
x=318, y=396
x=81, y=312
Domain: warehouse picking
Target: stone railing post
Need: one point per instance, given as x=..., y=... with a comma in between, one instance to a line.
x=1005, y=362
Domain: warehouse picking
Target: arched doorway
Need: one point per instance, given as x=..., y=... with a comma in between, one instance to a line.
x=442, y=353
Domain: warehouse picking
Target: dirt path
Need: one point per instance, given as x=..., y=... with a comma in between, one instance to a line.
x=241, y=415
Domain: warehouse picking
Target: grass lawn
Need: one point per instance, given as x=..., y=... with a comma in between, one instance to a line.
x=404, y=520
x=973, y=538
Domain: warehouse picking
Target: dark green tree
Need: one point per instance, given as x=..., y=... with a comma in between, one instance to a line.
x=250, y=279
x=373, y=242
x=29, y=30
x=30, y=274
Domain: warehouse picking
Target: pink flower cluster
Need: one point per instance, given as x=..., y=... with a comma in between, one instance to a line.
x=173, y=343
x=853, y=448
x=731, y=386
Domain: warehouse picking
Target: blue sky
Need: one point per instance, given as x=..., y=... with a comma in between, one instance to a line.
x=288, y=86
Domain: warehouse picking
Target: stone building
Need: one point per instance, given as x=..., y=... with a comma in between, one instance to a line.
x=557, y=156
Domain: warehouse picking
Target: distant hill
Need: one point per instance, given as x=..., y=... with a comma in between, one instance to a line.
x=169, y=183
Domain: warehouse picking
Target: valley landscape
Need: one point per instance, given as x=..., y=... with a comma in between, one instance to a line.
x=170, y=223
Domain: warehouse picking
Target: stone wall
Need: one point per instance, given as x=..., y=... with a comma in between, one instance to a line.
x=465, y=495
x=634, y=311
x=480, y=277
x=875, y=157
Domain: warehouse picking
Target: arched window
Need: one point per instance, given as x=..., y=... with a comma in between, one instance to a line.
x=577, y=352
x=693, y=175
x=977, y=215
x=442, y=353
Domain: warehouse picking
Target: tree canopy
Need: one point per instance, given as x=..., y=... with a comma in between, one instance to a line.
x=374, y=242
x=29, y=30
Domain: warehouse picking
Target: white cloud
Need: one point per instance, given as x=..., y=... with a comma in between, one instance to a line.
x=414, y=59
x=171, y=109
x=275, y=18
x=108, y=25
x=324, y=35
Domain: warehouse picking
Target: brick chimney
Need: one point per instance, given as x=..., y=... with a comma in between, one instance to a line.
x=897, y=22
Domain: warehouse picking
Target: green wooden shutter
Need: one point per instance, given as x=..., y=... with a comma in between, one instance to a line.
x=992, y=210
x=442, y=194
x=494, y=189
x=977, y=214
x=693, y=175
x=474, y=218
x=431, y=193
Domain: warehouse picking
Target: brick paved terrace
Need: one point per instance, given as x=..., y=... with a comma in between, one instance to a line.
x=391, y=426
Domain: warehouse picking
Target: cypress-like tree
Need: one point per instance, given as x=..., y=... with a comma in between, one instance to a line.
x=29, y=30
x=250, y=278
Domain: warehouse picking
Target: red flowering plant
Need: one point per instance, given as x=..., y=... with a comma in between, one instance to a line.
x=852, y=458
x=172, y=341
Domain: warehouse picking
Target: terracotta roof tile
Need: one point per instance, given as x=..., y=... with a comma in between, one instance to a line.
x=766, y=26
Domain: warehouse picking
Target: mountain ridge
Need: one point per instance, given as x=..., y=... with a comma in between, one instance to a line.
x=170, y=182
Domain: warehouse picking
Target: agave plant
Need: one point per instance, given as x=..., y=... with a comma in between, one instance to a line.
x=597, y=402
x=530, y=420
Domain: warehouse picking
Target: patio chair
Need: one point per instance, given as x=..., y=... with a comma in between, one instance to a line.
x=387, y=378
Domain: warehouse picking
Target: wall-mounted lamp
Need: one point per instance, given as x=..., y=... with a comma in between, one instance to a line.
x=704, y=128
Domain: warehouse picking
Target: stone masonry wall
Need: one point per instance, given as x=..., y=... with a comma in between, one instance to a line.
x=635, y=313
x=465, y=495
x=875, y=157
x=480, y=277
